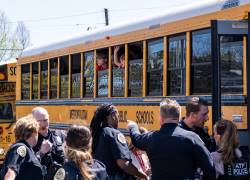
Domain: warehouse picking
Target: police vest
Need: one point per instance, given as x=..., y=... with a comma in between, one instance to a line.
x=239, y=170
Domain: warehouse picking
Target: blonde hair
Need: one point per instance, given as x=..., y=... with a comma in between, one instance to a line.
x=79, y=158
x=77, y=149
x=229, y=140
x=25, y=127
x=170, y=109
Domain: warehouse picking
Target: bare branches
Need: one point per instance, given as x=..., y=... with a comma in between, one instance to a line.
x=12, y=43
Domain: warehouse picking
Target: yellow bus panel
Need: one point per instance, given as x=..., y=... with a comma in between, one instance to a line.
x=146, y=116
x=11, y=68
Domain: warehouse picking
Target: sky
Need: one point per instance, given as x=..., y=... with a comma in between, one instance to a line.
x=53, y=20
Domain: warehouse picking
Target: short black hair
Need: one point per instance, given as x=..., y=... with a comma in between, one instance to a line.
x=194, y=104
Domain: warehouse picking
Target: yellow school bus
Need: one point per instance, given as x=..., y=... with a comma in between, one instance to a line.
x=7, y=104
x=199, y=50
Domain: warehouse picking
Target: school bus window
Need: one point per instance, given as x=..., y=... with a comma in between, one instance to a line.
x=135, y=63
x=25, y=71
x=102, y=72
x=35, y=80
x=44, y=79
x=64, y=76
x=118, y=66
x=88, y=80
x=6, y=111
x=201, y=63
x=76, y=75
x=155, y=67
x=53, y=77
x=231, y=64
x=176, y=65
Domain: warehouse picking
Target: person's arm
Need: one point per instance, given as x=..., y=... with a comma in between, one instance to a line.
x=116, y=61
x=129, y=168
x=203, y=159
x=218, y=164
x=141, y=141
x=13, y=161
x=10, y=175
x=120, y=152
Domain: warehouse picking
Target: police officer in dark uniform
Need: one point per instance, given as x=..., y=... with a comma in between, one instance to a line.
x=80, y=163
x=173, y=152
x=21, y=162
x=109, y=144
x=196, y=116
x=49, y=147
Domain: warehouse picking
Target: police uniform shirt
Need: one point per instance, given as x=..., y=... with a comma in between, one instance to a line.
x=22, y=160
x=209, y=141
x=173, y=152
x=72, y=172
x=56, y=153
x=112, y=146
x=239, y=170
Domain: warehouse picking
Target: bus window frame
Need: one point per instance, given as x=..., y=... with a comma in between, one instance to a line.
x=83, y=87
x=127, y=60
x=111, y=68
x=191, y=59
x=106, y=49
x=178, y=36
x=21, y=84
x=146, y=65
x=71, y=74
x=49, y=77
x=40, y=75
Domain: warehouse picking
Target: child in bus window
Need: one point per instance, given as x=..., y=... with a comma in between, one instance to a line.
x=101, y=62
x=119, y=62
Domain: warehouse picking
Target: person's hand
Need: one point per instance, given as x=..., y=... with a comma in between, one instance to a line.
x=145, y=177
x=46, y=146
x=116, y=49
x=131, y=124
x=143, y=130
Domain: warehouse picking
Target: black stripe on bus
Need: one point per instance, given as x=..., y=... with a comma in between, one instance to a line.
x=226, y=100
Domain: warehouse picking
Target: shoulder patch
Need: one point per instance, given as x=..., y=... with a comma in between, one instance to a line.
x=60, y=174
x=21, y=151
x=121, y=138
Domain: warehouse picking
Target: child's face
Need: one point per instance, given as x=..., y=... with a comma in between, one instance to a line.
x=101, y=60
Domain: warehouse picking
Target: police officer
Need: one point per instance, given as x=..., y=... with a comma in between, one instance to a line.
x=49, y=146
x=21, y=162
x=80, y=163
x=229, y=162
x=196, y=116
x=173, y=152
x=109, y=145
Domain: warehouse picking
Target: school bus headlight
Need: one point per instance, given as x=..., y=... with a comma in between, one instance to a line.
x=2, y=151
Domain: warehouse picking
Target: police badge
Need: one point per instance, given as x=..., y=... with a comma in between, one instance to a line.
x=60, y=174
x=21, y=151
